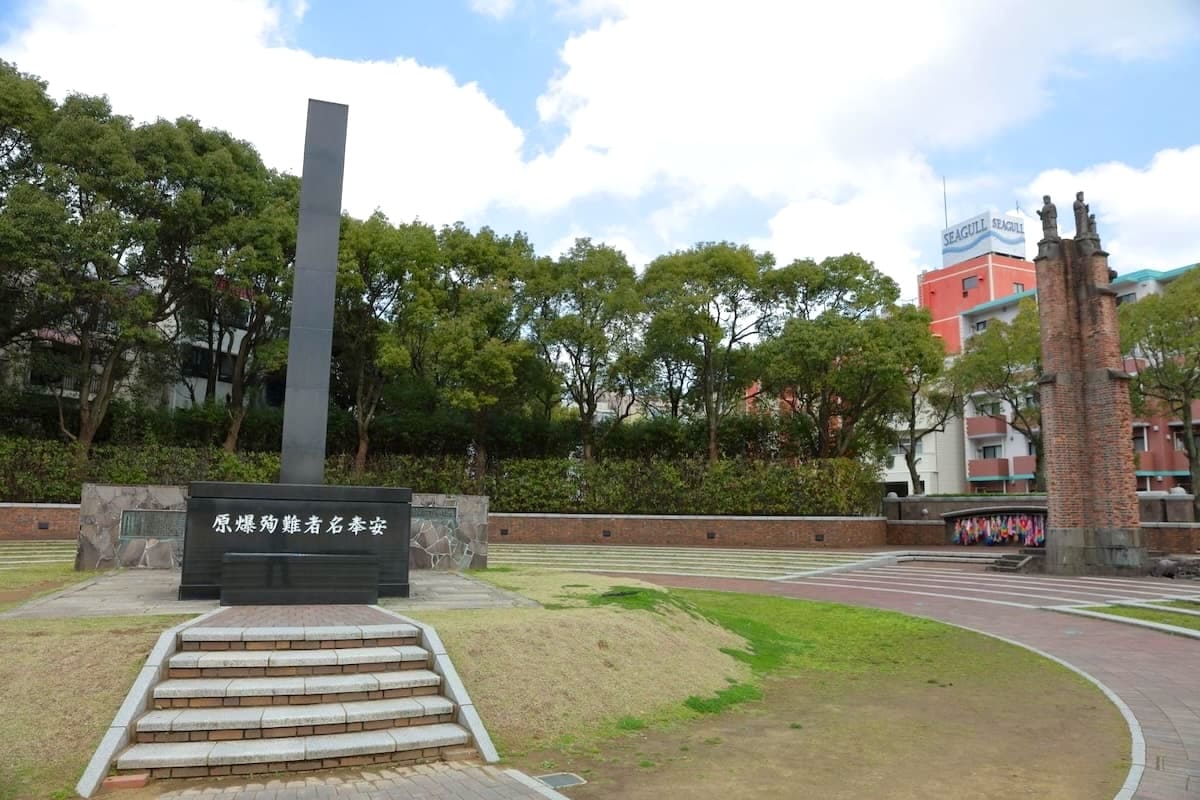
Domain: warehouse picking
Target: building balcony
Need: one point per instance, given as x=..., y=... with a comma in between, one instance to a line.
x=1024, y=465
x=986, y=426
x=988, y=468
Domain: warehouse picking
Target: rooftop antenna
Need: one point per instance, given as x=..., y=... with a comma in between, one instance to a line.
x=945, y=205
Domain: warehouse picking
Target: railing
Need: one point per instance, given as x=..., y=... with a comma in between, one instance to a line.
x=988, y=468
x=986, y=426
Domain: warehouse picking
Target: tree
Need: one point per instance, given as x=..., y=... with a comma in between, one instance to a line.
x=477, y=352
x=28, y=233
x=257, y=277
x=107, y=271
x=848, y=285
x=586, y=304
x=670, y=359
x=382, y=272
x=715, y=298
x=842, y=379
x=931, y=397
x=1162, y=334
x=134, y=206
x=1005, y=361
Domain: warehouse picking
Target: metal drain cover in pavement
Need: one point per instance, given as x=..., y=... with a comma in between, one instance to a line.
x=560, y=780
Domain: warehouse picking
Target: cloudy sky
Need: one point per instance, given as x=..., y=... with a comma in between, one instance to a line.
x=804, y=128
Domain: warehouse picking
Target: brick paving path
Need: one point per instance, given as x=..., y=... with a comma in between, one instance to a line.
x=429, y=782
x=1156, y=675
x=296, y=617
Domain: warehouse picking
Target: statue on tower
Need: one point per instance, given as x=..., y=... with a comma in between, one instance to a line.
x=1082, y=217
x=1049, y=216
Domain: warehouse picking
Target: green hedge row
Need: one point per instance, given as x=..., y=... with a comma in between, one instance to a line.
x=40, y=471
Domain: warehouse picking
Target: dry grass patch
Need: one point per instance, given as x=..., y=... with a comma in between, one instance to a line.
x=61, y=682
x=538, y=676
x=556, y=589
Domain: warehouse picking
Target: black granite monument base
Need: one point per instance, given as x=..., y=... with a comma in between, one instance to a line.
x=259, y=543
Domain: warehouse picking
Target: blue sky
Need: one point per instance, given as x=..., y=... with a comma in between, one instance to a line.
x=653, y=124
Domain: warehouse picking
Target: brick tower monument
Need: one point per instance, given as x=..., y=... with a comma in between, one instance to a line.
x=1092, y=525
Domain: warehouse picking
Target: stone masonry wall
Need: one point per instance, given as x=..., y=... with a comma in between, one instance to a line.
x=38, y=521
x=688, y=531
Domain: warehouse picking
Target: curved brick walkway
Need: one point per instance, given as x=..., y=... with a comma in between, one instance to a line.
x=1157, y=675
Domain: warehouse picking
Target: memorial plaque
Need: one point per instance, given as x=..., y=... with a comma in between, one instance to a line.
x=280, y=523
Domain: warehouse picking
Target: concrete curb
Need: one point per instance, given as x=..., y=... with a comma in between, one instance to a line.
x=535, y=784
x=453, y=687
x=1187, y=633
x=1154, y=605
x=1137, y=749
x=876, y=561
x=137, y=700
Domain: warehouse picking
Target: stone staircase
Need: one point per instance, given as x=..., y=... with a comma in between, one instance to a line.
x=1030, y=559
x=241, y=701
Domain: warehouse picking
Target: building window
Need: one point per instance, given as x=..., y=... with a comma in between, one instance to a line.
x=1139, y=440
x=1018, y=288
x=970, y=282
x=991, y=451
x=1030, y=447
x=981, y=325
x=1142, y=483
x=1128, y=297
x=1177, y=441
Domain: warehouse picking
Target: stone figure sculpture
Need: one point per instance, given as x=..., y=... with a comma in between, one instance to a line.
x=1081, y=216
x=1049, y=216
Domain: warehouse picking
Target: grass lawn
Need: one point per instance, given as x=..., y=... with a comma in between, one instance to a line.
x=1189, y=605
x=33, y=580
x=1151, y=615
x=831, y=701
x=61, y=682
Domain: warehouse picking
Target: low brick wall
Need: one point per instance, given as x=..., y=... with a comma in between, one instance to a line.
x=687, y=531
x=1172, y=537
x=34, y=521
x=1152, y=506
x=916, y=533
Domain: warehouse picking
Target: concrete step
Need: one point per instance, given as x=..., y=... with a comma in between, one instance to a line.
x=287, y=663
x=298, y=638
x=409, y=744
x=297, y=690
x=1010, y=562
x=273, y=722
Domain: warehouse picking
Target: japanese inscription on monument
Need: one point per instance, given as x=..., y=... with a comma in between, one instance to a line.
x=313, y=524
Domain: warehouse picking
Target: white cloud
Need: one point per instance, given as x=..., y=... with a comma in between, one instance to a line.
x=419, y=143
x=826, y=114
x=493, y=8
x=1146, y=216
x=613, y=237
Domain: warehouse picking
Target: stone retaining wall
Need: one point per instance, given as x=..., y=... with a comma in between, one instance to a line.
x=448, y=531
x=688, y=531
x=33, y=522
